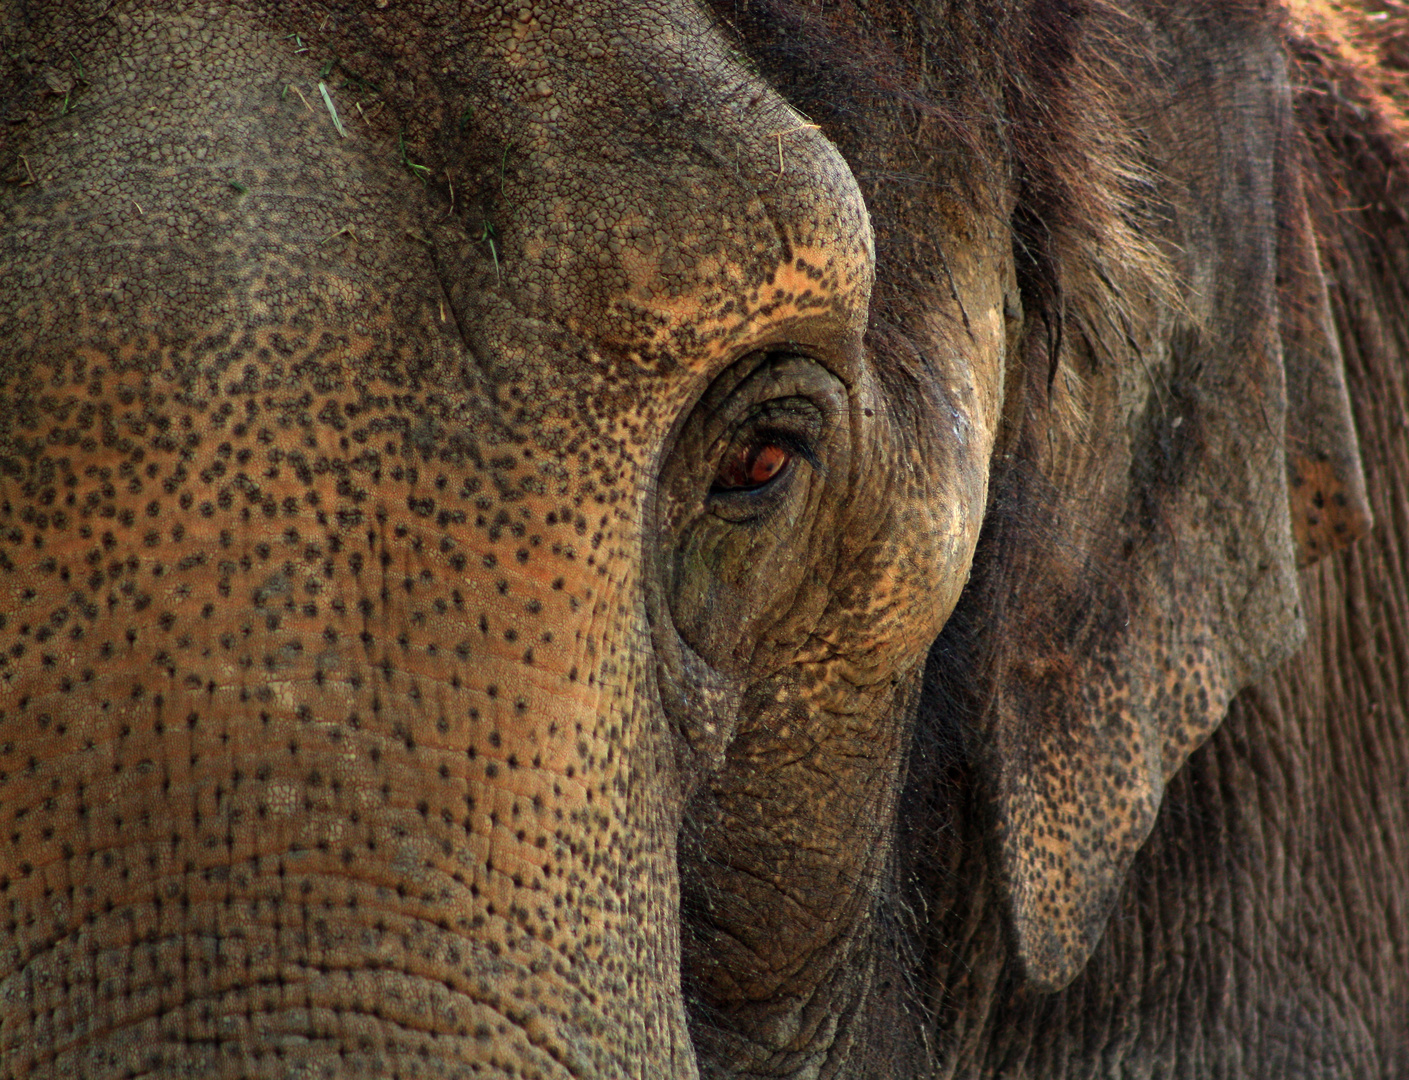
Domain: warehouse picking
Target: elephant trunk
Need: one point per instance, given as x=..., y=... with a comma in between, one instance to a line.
x=371, y=786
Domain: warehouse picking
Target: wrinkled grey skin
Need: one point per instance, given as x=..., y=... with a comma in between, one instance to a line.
x=602, y=541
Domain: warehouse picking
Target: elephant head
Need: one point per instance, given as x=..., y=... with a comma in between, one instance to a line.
x=481, y=486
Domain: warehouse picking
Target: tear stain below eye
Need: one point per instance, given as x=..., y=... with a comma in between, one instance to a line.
x=752, y=466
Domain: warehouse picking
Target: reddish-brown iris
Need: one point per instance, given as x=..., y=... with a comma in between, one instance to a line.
x=751, y=466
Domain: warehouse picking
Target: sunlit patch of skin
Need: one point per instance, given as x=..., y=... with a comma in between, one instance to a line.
x=815, y=283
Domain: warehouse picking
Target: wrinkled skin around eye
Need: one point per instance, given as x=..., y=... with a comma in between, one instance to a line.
x=739, y=507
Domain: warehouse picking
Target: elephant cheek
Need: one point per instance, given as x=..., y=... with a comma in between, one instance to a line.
x=412, y=811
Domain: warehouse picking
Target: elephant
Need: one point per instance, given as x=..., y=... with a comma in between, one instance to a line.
x=663, y=539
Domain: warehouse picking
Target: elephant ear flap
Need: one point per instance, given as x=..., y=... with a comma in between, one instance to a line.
x=1138, y=566
x=1328, y=503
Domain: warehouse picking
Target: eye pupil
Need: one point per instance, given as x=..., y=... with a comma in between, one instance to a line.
x=752, y=466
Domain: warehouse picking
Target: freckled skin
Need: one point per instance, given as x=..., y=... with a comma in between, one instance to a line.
x=389, y=685
x=326, y=513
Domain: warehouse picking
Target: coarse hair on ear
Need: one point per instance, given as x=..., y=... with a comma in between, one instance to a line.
x=1162, y=480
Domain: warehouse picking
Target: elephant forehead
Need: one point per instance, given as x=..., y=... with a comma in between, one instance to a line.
x=655, y=196
x=691, y=278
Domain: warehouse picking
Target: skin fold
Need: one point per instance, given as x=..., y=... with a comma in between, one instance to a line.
x=658, y=540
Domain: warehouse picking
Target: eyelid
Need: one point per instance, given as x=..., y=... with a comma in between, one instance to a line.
x=793, y=422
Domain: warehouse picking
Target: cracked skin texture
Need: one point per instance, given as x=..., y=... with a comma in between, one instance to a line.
x=389, y=686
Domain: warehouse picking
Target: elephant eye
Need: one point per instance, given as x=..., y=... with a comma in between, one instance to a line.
x=751, y=466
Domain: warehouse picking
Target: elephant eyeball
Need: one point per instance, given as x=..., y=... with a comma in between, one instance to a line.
x=752, y=465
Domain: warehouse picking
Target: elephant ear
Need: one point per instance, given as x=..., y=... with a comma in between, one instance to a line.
x=1159, y=487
